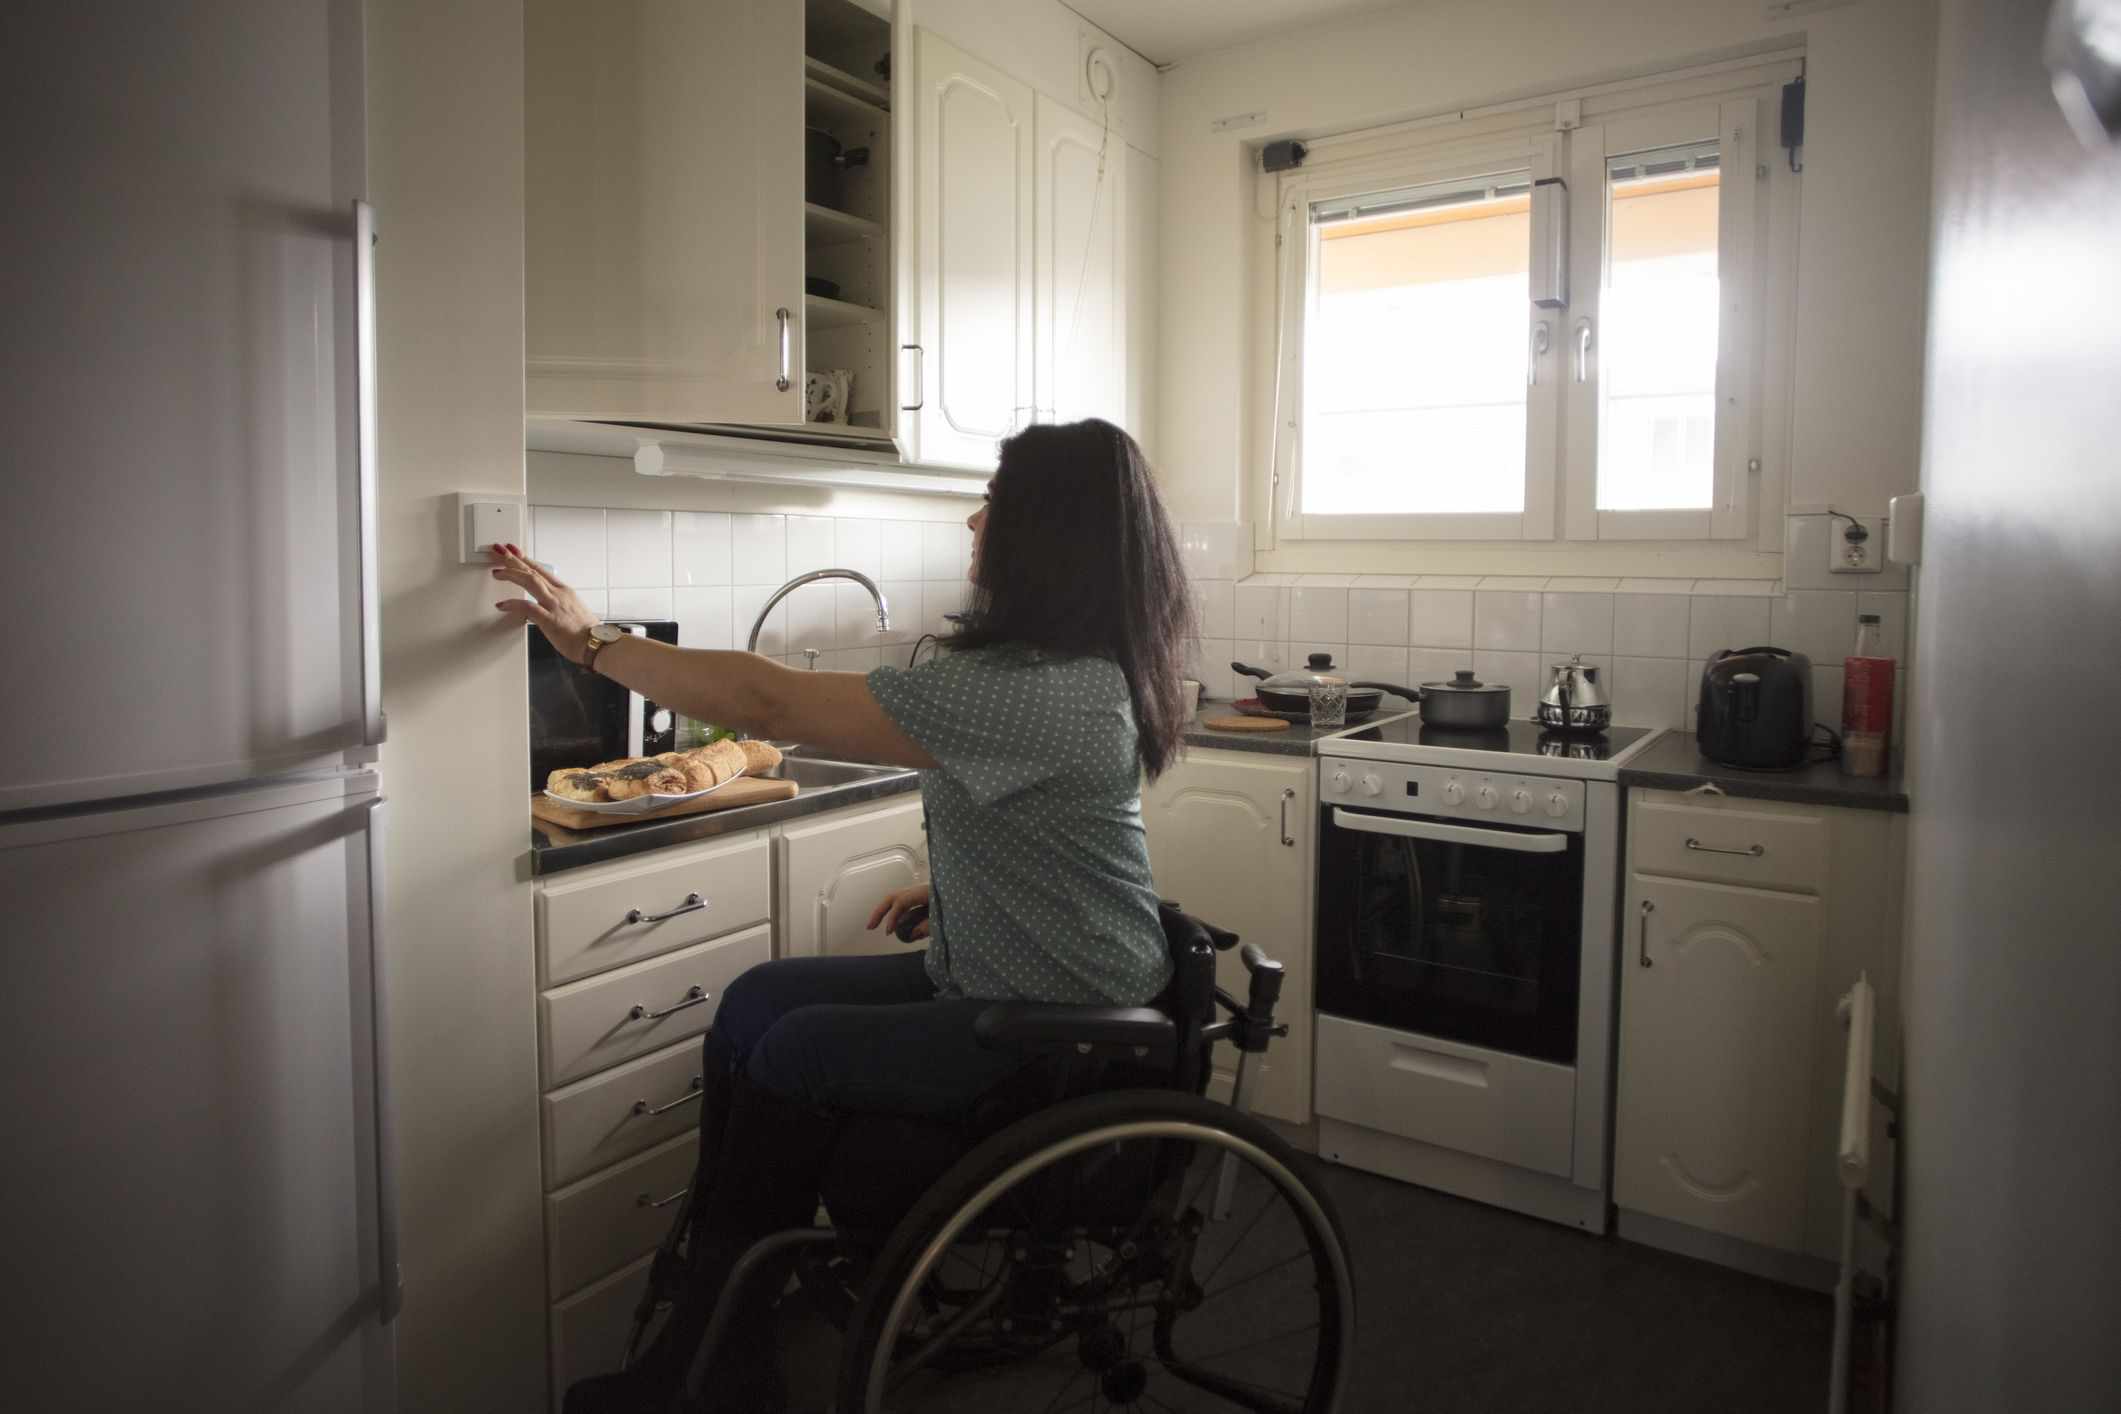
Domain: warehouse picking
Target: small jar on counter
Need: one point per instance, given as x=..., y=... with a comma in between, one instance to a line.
x=1867, y=702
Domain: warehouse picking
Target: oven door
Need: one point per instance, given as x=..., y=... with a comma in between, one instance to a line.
x=1470, y=933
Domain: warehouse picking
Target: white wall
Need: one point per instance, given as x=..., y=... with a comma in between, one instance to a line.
x=1861, y=274
x=2012, y=975
x=446, y=169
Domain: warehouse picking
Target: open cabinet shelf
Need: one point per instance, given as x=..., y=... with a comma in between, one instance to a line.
x=823, y=313
x=823, y=226
x=820, y=72
x=848, y=219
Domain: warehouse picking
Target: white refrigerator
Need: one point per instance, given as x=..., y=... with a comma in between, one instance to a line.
x=198, y=1191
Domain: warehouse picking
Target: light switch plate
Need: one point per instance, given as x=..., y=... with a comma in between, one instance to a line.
x=483, y=524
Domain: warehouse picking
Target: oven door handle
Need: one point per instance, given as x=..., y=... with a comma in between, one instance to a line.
x=1450, y=834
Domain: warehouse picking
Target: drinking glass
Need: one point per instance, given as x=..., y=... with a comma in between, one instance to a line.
x=1329, y=705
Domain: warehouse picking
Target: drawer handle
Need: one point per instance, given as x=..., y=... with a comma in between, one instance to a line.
x=644, y=1201
x=1751, y=851
x=642, y=1107
x=694, y=995
x=1642, y=942
x=693, y=904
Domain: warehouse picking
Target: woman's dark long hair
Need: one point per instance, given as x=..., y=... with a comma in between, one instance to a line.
x=1078, y=558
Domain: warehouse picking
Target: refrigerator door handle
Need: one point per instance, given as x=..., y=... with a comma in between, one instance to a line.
x=373, y=725
x=390, y=1281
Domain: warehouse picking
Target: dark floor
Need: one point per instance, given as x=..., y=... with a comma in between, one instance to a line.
x=1461, y=1307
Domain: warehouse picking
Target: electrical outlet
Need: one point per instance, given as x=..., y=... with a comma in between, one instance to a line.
x=1852, y=547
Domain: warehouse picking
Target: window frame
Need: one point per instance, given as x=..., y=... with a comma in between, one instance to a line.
x=1573, y=136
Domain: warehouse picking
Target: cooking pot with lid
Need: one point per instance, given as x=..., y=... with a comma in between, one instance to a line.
x=1465, y=701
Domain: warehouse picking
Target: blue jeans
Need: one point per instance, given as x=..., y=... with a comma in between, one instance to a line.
x=862, y=1034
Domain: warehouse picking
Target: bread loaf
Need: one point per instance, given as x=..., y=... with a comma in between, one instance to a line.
x=759, y=756
x=670, y=773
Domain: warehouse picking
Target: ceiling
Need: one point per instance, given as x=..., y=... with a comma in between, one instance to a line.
x=1166, y=30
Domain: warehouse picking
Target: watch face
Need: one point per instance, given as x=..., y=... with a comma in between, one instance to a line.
x=607, y=633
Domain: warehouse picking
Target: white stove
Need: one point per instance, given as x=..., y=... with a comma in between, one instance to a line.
x=1467, y=909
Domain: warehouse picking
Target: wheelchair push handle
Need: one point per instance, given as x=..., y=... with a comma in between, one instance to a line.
x=1255, y=1025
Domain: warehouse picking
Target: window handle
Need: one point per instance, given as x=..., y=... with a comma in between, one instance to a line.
x=1541, y=342
x=1583, y=349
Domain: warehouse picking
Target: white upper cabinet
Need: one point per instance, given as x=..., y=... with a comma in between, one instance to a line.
x=1081, y=183
x=664, y=180
x=972, y=382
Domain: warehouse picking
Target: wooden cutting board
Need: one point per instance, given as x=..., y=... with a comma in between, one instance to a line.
x=1244, y=724
x=750, y=790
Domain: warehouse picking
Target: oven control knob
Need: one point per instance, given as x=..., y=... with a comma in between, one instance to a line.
x=1339, y=782
x=1454, y=793
x=1372, y=784
x=1520, y=801
x=1557, y=805
x=1485, y=797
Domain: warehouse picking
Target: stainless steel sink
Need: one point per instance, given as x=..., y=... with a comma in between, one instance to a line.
x=822, y=773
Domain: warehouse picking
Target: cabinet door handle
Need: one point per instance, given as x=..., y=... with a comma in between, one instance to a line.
x=1751, y=851
x=787, y=349
x=642, y=1107
x=693, y=904
x=1288, y=793
x=694, y=995
x=1642, y=944
x=920, y=378
x=644, y=1201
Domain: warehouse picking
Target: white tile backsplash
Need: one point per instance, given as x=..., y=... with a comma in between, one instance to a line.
x=904, y=597
x=810, y=544
x=758, y=550
x=1827, y=684
x=1215, y=550
x=1440, y=618
x=1208, y=663
x=854, y=617
x=813, y=617
x=1819, y=623
x=858, y=545
x=1260, y=612
x=1576, y=623
x=699, y=549
x=939, y=597
x=637, y=603
x=1378, y=616
x=1650, y=625
x=940, y=556
x=745, y=600
x=1645, y=691
x=571, y=540
x=1376, y=662
x=1318, y=613
x=637, y=544
x=850, y=660
x=1436, y=664
x=1519, y=670
x=1717, y=621
x=1214, y=600
x=703, y=615
x=1506, y=619
x=899, y=543
x=1512, y=581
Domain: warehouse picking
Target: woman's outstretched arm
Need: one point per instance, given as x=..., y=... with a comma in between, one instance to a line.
x=832, y=712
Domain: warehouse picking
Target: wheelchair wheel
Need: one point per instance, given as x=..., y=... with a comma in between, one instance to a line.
x=1144, y=1250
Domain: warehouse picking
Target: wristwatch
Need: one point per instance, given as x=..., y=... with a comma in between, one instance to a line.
x=600, y=637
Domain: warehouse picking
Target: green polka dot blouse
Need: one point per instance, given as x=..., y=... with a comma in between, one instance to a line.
x=1038, y=862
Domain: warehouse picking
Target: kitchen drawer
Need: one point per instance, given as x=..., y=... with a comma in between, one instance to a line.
x=603, y=1119
x=588, y=1026
x=589, y=1328
x=1476, y=1101
x=1791, y=841
x=582, y=927
x=608, y=1219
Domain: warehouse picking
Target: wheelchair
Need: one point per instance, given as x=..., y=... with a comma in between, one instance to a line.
x=1099, y=1233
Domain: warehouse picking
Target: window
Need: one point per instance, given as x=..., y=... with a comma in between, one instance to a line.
x=1427, y=385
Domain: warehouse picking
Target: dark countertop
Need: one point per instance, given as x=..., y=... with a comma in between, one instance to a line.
x=555, y=849
x=1672, y=762
x=1298, y=740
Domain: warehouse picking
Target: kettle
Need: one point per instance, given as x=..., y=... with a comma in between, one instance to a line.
x=1574, y=701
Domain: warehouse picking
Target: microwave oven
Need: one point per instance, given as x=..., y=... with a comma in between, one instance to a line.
x=578, y=718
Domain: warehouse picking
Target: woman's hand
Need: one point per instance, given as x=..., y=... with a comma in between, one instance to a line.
x=557, y=611
x=893, y=905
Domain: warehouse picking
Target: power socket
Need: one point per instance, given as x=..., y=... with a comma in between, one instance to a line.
x=1852, y=547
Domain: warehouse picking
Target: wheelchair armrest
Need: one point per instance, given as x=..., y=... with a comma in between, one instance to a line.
x=1039, y=1028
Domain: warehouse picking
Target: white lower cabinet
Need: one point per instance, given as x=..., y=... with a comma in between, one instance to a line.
x=835, y=869
x=1231, y=838
x=1744, y=923
x=589, y=1328
x=1716, y=1044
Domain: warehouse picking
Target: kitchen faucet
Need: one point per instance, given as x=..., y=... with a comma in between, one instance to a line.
x=883, y=610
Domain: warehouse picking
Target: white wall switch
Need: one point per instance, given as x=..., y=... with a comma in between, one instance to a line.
x=1855, y=546
x=1903, y=541
x=484, y=524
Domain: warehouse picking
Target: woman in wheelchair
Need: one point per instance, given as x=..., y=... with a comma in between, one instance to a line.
x=865, y=1080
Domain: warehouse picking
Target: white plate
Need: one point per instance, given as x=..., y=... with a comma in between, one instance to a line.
x=639, y=805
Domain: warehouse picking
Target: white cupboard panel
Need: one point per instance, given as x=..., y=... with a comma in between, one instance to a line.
x=974, y=188
x=1719, y=1016
x=589, y=1328
x=834, y=872
x=588, y=1026
x=583, y=926
x=602, y=1223
x=1761, y=843
x=1081, y=180
x=624, y=1110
